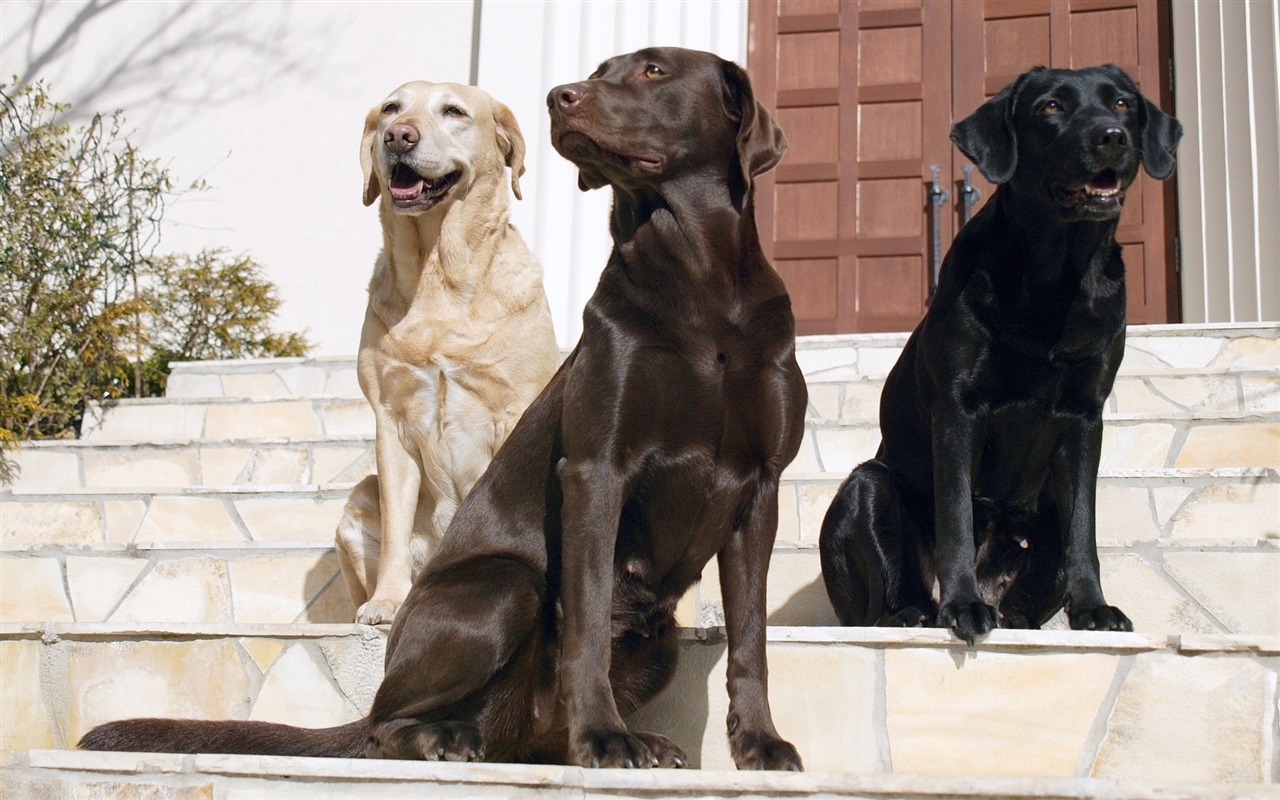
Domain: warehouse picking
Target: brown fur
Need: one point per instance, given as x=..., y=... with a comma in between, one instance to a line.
x=547, y=613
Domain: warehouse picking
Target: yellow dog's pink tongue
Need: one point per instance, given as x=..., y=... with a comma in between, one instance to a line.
x=406, y=190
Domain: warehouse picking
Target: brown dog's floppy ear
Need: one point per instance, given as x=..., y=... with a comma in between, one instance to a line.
x=987, y=135
x=760, y=142
x=368, y=152
x=590, y=179
x=510, y=143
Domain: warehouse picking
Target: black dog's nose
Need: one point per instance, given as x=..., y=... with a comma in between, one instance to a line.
x=569, y=95
x=401, y=138
x=1111, y=138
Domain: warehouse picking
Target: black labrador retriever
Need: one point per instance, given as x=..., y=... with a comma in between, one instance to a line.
x=546, y=615
x=978, y=509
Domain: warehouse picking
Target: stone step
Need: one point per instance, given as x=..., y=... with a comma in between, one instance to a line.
x=1181, y=550
x=1019, y=704
x=69, y=773
x=1165, y=587
x=837, y=437
x=1151, y=350
x=1144, y=505
x=1129, y=441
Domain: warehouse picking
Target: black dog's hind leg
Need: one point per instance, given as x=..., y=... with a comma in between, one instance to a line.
x=870, y=579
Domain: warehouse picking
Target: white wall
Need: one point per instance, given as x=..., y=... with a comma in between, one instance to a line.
x=529, y=46
x=1227, y=93
x=263, y=100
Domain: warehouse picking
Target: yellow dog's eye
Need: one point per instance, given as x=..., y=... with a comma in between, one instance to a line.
x=454, y=111
x=1052, y=107
x=391, y=108
x=653, y=71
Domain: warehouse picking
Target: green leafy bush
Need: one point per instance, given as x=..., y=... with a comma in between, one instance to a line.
x=86, y=309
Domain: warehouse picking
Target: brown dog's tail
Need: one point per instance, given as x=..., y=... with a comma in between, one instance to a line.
x=228, y=736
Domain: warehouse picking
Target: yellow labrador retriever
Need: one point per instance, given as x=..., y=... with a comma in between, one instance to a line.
x=457, y=337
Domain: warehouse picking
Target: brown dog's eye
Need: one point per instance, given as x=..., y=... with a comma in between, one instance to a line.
x=1052, y=107
x=391, y=108
x=653, y=71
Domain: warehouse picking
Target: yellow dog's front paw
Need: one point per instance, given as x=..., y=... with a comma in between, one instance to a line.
x=377, y=611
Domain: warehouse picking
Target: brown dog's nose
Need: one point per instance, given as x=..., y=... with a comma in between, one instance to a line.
x=401, y=137
x=569, y=95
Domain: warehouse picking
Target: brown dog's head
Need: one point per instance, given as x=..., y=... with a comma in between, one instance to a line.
x=660, y=113
x=426, y=144
x=1072, y=137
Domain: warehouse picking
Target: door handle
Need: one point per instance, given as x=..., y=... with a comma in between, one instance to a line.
x=937, y=197
x=969, y=194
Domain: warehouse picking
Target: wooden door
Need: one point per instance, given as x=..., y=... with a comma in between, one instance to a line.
x=862, y=91
x=867, y=90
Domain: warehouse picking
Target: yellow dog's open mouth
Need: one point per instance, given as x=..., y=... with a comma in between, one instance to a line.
x=412, y=191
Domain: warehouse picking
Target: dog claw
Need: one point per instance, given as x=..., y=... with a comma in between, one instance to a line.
x=764, y=752
x=1099, y=618
x=968, y=621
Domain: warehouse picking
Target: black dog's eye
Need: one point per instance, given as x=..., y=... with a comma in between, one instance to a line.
x=653, y=71
x=454, y=111
x=1052, y=107
x=391, y=108
x=1123, y=103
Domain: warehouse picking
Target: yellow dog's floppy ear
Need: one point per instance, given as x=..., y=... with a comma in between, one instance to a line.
x=510, y=143
x=368, y=149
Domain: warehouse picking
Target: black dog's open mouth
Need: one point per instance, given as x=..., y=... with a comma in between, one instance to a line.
x=411, y=190
x=1099, y=193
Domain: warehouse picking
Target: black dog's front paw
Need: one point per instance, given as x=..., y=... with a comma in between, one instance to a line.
x=613, y=748
x=763, y=751
x=1099, y=618
x=968, y=620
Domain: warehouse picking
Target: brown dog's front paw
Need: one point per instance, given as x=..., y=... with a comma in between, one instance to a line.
x=669, y=754
x=614, y=748
x=433, y=741
x=1099, y=618
x=968, y=620
x=764, y=751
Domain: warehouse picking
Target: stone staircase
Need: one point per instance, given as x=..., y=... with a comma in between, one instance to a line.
x=177, y=561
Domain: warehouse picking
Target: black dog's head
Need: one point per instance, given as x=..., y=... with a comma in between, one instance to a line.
x=1073, y=137
x=662, y=112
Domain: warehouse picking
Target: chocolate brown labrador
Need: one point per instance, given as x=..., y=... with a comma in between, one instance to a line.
x=979, y=508
x=547, y=614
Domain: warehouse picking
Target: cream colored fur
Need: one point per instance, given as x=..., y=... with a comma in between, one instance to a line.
x=457, y=336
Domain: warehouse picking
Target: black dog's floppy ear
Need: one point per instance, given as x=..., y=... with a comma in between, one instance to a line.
x=760, y=142
x=1160, y=135
x=987, y=135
